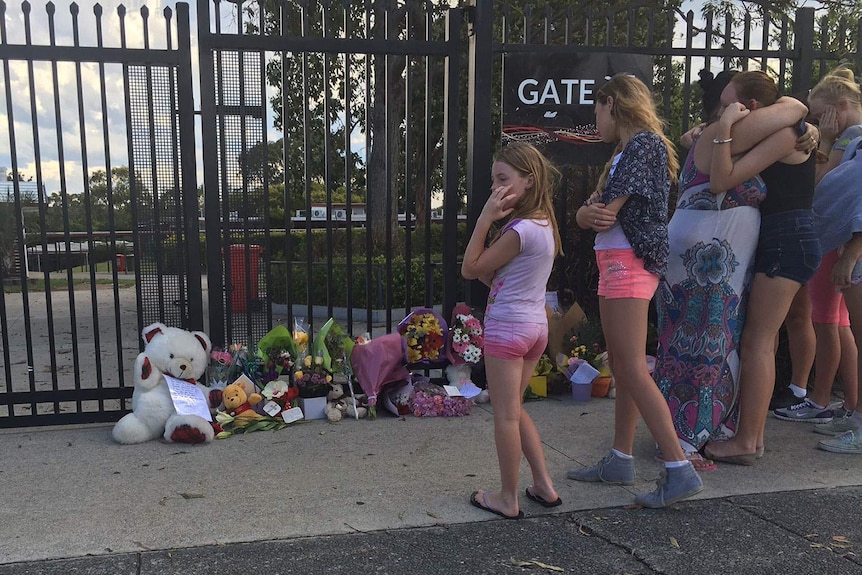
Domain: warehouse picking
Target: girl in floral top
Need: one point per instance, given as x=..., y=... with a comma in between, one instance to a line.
x=516, y=265
x=629, y=212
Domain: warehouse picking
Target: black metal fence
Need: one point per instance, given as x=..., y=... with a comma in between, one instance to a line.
x=345, y=155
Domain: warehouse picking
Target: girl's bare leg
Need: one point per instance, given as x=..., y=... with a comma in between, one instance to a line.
x=624, y=322
x=767, y=307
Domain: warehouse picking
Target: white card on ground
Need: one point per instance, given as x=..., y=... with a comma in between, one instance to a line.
x=188, y=398
x=470, y=389
x=291, y=415
x=272, y=408
x=453, y=391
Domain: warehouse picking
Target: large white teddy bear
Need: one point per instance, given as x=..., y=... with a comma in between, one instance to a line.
x=168, y=351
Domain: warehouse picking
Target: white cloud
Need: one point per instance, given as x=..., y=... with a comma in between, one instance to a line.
x=65, y=100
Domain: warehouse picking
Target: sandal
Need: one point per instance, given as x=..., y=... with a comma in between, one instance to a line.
x=699, y=462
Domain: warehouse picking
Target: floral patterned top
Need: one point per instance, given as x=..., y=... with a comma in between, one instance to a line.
x=642, y=174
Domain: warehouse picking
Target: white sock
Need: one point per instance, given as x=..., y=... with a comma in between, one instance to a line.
x=620, y=454
x=799, y=392
x=675, y=464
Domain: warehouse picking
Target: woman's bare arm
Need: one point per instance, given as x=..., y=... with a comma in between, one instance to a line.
x=762, y=122
x=748, y=131
x=726, y=173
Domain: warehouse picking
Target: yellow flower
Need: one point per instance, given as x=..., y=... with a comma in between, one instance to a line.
x=298, y=375
x=307, y=361
x=300, y=337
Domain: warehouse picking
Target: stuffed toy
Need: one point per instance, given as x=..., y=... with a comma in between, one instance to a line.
x=356, y=406
x=335, y=410
x=459, y=375
x=239, y=403
x=337, y=400
x=167, y=351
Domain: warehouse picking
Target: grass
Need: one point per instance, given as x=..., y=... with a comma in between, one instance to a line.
x=62, y=283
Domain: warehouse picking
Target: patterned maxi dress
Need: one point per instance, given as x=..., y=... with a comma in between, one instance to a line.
x=701, y=302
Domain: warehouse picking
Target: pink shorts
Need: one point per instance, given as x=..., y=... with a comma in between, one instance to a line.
x=515, y=340
x=827, y=303
x=622, y=275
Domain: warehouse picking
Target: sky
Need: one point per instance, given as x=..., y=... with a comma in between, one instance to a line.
x=66, y=99
x=70, y=172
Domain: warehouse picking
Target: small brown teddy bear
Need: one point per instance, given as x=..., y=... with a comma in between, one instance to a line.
x=240, y=404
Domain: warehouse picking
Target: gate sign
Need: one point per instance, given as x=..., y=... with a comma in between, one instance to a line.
x=550, y=101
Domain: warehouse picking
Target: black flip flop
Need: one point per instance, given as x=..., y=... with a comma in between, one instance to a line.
x=543, y=502
x=476, y=503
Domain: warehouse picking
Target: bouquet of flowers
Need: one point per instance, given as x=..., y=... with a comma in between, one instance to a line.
x=431, y=400
x=277, y=354
x=587, y=343
x=424, y=331
x=467, y=338
x=220, y=367
x=280, y=392
x=312, y=378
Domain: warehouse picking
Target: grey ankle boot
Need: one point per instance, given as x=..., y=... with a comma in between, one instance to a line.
x=611, y=469
x=675, y=484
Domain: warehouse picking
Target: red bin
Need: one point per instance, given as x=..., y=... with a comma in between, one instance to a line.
x=240, y=269
x=121, y=263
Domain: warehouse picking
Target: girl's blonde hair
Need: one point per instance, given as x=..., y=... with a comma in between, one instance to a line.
x=837, y=85
x=635, y=110
x=537, y=203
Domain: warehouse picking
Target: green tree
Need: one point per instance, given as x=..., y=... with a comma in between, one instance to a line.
x=107, y=200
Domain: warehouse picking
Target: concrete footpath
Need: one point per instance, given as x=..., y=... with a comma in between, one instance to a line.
x=391, y=496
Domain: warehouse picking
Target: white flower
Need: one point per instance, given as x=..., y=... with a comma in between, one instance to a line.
x=472, y=354
x=275, y=388
x=223, y=418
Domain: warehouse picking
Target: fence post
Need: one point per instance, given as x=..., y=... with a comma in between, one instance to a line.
x=186, y=118
x=803, y=49
x=215, y=270
x=451, y=127
x=479, y=85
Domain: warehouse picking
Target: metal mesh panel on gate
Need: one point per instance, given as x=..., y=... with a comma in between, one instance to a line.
x=155, y=161
x=240, y=116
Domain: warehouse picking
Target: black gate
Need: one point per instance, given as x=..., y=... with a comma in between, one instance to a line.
x=67, y=352
x=348, y=73
x=351, y=198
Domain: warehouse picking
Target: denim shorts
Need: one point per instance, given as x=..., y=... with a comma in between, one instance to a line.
x=515, y=340
x=788, y=247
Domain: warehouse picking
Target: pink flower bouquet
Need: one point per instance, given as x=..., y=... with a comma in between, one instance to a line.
x=431, y=400
x=467, y=337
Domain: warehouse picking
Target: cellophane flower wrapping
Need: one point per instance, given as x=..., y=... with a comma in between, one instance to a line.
x=425, y=332
x=276, y=352
x=219, y=369
x=431, y=400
